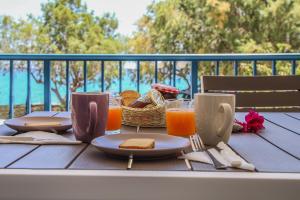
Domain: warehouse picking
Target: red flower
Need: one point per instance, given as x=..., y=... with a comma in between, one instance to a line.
x=254, y=122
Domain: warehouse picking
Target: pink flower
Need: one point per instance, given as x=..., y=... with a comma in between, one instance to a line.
x=254, y=122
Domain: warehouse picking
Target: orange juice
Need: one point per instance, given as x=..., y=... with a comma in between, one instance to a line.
x=114, y=120
x=180, y=121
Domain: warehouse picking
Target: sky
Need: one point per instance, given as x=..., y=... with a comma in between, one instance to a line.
x=127, y=11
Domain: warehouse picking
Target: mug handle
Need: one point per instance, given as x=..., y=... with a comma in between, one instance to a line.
x=93, y=118
x=228, y=118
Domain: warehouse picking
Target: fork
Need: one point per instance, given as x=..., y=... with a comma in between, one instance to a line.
x=197, y=145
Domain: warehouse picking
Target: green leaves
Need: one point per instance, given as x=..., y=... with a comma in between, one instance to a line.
x=168, y=26
x=221, y=26
x=65, y=26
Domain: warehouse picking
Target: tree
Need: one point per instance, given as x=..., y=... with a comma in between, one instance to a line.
x=168, y=26
x=220, y=26
x=66, y=26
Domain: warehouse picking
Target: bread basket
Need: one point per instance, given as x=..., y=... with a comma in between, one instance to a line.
x=144, y=117
x=149, y=116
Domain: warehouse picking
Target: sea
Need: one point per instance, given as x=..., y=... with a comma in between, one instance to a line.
x=37, y=89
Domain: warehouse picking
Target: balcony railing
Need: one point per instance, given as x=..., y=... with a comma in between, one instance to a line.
x=193, y=59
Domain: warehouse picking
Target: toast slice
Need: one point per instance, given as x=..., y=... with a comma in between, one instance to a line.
x=138, y=143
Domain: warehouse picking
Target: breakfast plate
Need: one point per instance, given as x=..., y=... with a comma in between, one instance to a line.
x=165, y=145
x=50, y=124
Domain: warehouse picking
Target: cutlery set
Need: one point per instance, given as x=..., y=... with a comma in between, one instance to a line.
x=220, y=156
x=197, y=145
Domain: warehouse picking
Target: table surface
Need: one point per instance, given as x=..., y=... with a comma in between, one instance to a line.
x=275, y=149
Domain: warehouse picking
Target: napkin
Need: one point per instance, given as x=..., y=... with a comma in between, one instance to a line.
x=226, y=156
x=234, y=159
x=199, y=156
x=37, y=137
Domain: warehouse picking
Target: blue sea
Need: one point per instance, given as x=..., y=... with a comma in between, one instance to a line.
x=37, y=89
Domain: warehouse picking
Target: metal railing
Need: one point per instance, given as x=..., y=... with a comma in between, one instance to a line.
x=195, y=59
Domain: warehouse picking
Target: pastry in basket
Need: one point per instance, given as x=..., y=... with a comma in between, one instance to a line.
x=128, y=101
x=129, y=96
x=141, y=102
x=167, y=91
x=146, y=111
x=138, y=143
x=153, y=97
x=130, y=93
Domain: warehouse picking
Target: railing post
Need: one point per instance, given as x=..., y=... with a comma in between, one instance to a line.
x=236, y=67
x=102, y=75
x=194, y=78
x=84, y=76
x=47, y=85
x=156, y=71
x=11, y=89
x=254, y=68
x=174, y=73
x=294, y=66
x=138, y=75
x=120, y=76
x=274, y=71
x=67, y=84
x=217, y=69
x=28, y=98
x=170, y=75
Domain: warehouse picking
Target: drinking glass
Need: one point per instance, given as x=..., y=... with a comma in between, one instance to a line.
x=180, y=118
x=114, y=119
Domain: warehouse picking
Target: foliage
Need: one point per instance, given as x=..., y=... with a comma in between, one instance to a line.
x=66, y=26
x=168, y=26
x=220, y=26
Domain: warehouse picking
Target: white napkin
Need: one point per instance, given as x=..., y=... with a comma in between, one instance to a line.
x=2, y=121
x=234, y=159
x=37, y=137
x=199, y=156
x=226, y=156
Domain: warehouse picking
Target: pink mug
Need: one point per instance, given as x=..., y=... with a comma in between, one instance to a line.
x=89, y=115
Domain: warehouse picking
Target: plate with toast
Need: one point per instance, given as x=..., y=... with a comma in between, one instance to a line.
x=141, y=145
x=39, y=123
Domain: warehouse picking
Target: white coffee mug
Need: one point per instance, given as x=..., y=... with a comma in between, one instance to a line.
x=214, y=116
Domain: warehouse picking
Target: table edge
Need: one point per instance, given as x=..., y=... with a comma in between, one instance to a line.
x=152, y=174
x=136, y=185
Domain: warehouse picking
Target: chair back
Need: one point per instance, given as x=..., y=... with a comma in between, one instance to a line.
x=263, y=93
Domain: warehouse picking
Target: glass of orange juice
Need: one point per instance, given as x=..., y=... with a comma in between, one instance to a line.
x=180, y=118
x=114, y=119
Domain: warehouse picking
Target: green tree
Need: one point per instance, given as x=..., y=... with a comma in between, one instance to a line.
x=71, y=28
x=65, y=26
x=168, y=26
x=220, y=26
